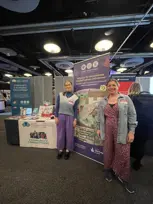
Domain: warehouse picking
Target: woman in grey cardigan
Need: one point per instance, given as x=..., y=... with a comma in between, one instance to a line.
x=117, y=123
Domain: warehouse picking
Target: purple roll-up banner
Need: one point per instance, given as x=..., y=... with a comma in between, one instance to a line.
x=90, y=77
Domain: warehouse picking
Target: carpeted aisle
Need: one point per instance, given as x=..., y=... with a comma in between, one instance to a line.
x=34, y=176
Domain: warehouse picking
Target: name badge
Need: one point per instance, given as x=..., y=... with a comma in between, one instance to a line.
x=71, y=102
x=124, y=102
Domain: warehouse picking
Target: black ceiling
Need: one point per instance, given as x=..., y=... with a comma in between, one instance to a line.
x=76, y=38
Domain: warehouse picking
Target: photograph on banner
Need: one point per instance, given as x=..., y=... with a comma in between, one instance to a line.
x=90, y=77
x=20, y=94
x=88, y=116
x=125, y=80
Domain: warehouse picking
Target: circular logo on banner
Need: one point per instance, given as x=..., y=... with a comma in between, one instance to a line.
x=89, y=66
x=83, y=67
x=95, y=64
x=103, y=88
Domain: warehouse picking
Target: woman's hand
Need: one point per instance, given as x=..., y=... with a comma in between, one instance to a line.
x=74, y=123
x=56, y=121
x=98, y=132
x=130, y=138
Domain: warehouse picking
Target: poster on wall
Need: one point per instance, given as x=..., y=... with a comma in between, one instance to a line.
x=90, y=77
x=125, y=81
x=20, y=94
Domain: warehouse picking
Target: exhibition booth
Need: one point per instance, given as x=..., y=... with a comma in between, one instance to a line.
x=32, y=122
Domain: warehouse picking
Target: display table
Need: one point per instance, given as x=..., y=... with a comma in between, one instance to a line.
x=37, y=133
x=12, y=131
x=2, y=106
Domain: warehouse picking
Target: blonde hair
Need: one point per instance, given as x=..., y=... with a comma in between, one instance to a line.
x=134, y=89
x=113, y=80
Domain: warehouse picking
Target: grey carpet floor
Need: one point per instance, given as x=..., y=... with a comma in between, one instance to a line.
x=34, y=176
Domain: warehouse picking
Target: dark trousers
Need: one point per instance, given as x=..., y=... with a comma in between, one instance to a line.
x=138, y=146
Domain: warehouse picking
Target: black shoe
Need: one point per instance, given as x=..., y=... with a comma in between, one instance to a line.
x=136, y=165
x=127, y=186
x=60, y=154
x=67, y=155
x=113, y=174
x=108, y=176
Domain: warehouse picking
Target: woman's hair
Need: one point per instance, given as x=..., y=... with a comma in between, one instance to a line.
x=112, y=80
x=67, y=81
x=134, y=89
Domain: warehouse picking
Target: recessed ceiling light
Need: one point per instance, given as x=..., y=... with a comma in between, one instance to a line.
x=103, y=45
x=9, y=75
x=146, y=72
x=68, y=71
x=48, y=74
x=52, y=48
x=121, y=69
x=151, y=45
x=27, y=75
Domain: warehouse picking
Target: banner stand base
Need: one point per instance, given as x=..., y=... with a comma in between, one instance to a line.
x=90, y=158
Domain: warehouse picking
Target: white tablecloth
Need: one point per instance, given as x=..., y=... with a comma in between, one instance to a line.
x=40, y=134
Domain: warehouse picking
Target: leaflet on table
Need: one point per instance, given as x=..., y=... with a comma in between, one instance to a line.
x=38, y=118
x=14, y=117
x=45, y=111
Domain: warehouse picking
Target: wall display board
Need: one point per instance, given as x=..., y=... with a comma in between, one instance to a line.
x=20, y=94
x=90, y=77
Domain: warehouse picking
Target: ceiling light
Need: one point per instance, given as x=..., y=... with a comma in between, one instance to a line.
x=146, y=72
x=34, y=67
x=121, y=69
x=70, y=74
x=103, y=45
x=109, y=32
x=27, y=75
x=68, y=71
x=8, y=82
x=9, y=75
x=151, y=45
x=52, y=48
x=48, y=74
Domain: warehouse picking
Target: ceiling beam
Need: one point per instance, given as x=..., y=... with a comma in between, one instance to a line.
x=120, y=55
x=46, y=63
x=18, y=66
x=143, y=66
x=81, y=24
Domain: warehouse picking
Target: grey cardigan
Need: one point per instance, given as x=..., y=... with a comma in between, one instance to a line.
x=127, y=120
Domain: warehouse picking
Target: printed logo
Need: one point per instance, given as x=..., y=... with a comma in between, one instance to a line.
x=96, y=151
x=89, y=66
x=83, y=67
x=95, y=64
x=103, y=88
x=92, y=150
x=26, y=124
